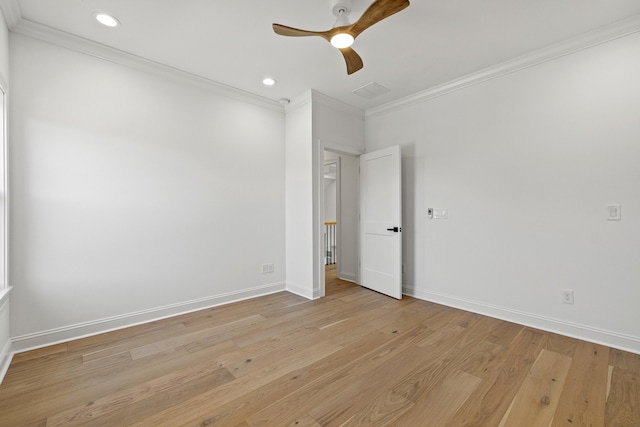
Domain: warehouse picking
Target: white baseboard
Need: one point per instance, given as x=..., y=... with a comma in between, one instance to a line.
x=81, y=330
x=349, y=277
x=5, y=342
x=587, y=333
x=5, y=359
x=302, y=291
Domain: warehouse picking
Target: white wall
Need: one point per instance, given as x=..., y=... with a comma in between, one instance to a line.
x=314, y=122
x=5, y=342
x=134, y=195
x=338, y=127
x=4, y=48
x=330, y=199
x=349, y=196
x=526, y=164
x=299, y=201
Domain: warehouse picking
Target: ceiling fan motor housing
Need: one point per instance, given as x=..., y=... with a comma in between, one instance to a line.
x=341, y=7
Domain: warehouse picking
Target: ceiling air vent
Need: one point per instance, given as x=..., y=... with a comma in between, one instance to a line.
x=371, y=90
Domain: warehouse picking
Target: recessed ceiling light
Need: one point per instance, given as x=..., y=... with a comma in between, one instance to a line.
x=107, y=20
x=268, y=81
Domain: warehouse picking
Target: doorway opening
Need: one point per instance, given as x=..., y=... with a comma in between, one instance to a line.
x=368, y=220
x=340, y=219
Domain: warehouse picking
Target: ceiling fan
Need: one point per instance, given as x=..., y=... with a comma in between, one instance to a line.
x=343, y=33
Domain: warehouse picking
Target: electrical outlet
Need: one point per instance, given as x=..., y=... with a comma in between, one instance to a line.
x=614, y=212
x=567, y=296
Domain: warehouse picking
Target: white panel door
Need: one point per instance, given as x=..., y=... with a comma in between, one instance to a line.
x=381, y=221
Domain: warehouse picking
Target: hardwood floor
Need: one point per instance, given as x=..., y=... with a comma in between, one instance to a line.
x=354, y=357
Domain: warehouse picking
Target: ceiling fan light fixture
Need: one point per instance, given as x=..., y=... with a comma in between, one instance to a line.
x=107, y=20
x=343, y=34
x=342, y=40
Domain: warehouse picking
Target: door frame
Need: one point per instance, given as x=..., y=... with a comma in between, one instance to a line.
x=318, y=214
x=4, y=204
x=337, y=254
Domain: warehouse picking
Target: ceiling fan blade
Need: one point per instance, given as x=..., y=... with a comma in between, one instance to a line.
x=353, y=60
x=376, y=12
x=283, y=30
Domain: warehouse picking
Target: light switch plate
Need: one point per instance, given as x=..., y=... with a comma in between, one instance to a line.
x=440, y=214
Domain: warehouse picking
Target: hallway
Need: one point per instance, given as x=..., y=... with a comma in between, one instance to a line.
x=333, y=285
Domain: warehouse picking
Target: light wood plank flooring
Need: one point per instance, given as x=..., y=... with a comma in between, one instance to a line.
x=352, y=358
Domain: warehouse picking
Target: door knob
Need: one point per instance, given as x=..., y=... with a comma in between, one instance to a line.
x=395, y=229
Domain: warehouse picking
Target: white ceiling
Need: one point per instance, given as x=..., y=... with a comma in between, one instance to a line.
x=232, y=42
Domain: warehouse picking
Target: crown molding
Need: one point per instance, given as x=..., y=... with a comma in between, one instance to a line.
x=100, y=51
x=11, y=11
x=299, y=101
x=312, y=96
x=590, y=39
x=15, y=22
x=334, y=104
